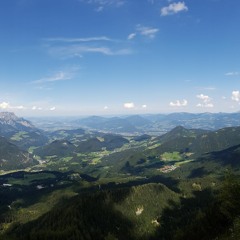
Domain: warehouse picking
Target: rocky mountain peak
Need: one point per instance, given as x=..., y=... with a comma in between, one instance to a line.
x=8, y=116
x=11, y=120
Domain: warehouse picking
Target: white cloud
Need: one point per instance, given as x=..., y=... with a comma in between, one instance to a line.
x=179, y=103
x=129, y=105
x=105, y=108
x=34, y=108
x=206, y=101
x=52, y=109
x=5, y=105
x=205, y=105
x=206, y=88
x=147, y=31
x=102, y=4
x=174, y=8
x=77, y=50
x=236, y=96
x=232, y=74
x=103, y=50
x=19, y=107
x=59, y=76
x=75, y=40
x=144, y=106
x=131, y=36
x=205, y=98
x=76, y=47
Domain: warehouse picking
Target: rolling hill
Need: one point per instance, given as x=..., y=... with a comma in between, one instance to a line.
x=57, y=148
x=198, y=142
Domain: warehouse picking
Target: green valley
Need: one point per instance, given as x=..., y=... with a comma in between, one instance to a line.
x=85, y=183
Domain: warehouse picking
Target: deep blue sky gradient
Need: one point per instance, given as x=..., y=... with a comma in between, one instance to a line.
x=83, y=57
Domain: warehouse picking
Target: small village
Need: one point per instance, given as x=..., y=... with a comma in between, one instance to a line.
x=167, y=168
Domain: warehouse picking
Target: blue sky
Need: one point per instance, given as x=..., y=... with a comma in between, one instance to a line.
x=85, y=57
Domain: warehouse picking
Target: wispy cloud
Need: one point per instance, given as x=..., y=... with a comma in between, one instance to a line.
x=148, y=32
x=129, y=105
x=206, y=101
x=131, y=36
x=179, y=103
x=206, y=88
x=174, y=8
x=59, y=76
x=232, y=74
x=100, y=5
x=236, y=96
x=65, y=48
x=76, y=40
x=79, y=50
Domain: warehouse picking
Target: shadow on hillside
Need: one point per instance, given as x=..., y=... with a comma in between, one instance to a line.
x=170, y=182
x=195, y=218
x=198, y=173
x=229, y=156
x=22, y=196
x=89, y=216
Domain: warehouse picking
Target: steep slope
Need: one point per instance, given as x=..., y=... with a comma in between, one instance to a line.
x=12, y=158
x=10, y=123
x=124, y=213
x=210, y=167
x=20, y=131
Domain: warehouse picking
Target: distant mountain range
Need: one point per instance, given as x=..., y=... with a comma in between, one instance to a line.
x=152, y=124
x=157, y=124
